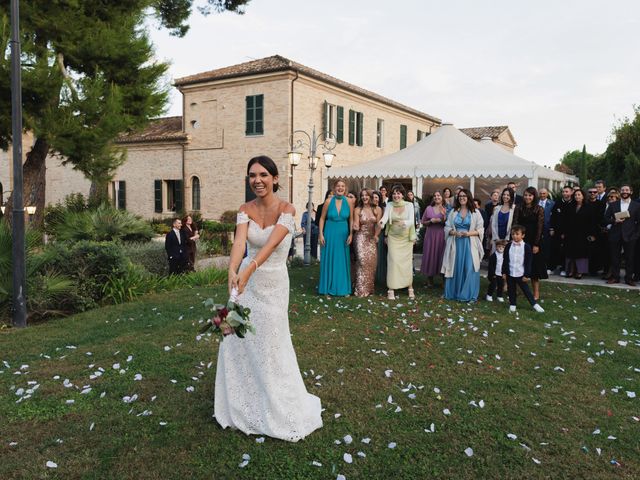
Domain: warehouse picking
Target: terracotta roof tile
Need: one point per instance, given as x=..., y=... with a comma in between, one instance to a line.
x=478, y=133
x=159, y=130
x=277, y=63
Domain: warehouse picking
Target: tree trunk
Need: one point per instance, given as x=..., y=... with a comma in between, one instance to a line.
x=98, y=192
x=34, y=174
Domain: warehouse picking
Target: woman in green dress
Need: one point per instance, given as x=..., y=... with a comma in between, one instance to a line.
x=399, y=224
x=334, y=238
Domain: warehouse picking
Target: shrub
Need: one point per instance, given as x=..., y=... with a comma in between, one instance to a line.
x=90, y=264
x=46, y=287
x=229, y=216
x=136, y=281
x=105, y=223
x=150, y=255
x=132, y=283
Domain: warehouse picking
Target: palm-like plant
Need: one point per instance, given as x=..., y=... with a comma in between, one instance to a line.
x=104, y=223
x=44, y=288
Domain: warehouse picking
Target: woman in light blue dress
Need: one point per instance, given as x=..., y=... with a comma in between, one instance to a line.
x=334, y=238
x=463, y=250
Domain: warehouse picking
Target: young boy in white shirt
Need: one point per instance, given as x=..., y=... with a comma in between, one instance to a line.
x=496, y=282
x=516, y=268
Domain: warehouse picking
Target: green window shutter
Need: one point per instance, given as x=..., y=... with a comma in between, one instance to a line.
x=157, y=192
x=325, y=120
x=352, y=127
x=418, y=136
x=403, y=136
x=250, y=121
x=179, y=196
x=359, y=135
x=122, y=195
x=259, y=115
x=340, y=126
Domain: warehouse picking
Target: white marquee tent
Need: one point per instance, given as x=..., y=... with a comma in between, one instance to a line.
x=449, y=153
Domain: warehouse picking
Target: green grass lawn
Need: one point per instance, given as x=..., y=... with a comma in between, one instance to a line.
x=534, y=395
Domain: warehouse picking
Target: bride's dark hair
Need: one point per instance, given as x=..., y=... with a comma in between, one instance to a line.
x=268, y=164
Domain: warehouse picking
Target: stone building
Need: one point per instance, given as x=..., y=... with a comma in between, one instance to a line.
x=197, y=161
x=499, y=135
x=234, y=113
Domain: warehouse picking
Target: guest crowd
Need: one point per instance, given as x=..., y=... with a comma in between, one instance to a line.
x=368, y=238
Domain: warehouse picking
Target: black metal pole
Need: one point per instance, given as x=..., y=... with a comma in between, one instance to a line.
x=19, y=266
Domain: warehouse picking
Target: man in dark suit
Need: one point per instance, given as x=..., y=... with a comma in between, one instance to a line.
x=547, y=205
x=598, y=250
x=557, y=227
x=623, y=234
x=175, y=244
x=518, y=199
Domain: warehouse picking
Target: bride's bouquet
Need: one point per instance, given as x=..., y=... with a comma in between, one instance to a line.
x=228, y=319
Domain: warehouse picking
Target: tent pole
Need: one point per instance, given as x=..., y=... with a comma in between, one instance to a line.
x=472, y=185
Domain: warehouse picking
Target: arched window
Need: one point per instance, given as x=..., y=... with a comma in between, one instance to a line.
x=195, y=193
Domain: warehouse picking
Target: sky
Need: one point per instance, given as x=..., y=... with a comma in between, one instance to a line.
x=559, y=73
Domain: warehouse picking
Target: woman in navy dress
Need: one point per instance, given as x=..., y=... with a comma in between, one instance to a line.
x=504, y=216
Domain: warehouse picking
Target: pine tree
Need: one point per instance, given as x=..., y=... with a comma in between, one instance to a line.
x=88, y=75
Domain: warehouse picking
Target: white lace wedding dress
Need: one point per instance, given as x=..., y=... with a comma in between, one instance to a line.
x=259, y=388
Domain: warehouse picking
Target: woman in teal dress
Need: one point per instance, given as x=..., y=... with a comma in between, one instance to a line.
x=463, y=250
x=334, y=239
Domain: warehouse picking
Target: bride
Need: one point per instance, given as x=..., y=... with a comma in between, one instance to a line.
x=259, y=389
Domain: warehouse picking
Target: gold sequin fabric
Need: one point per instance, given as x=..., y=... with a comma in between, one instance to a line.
x=366, y=254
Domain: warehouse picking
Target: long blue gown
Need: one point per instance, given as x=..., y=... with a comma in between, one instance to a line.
x=335, y=264
x=464, y=285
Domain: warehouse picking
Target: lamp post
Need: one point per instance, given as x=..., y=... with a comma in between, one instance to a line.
x=300, y=141
x=18, y=250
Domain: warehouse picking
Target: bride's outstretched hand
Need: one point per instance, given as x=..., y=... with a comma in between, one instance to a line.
x=233, y=281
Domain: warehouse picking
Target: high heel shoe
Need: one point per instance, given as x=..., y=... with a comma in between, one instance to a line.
x=412, y=295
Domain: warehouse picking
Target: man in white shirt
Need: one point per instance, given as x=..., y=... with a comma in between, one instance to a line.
x=516, y=268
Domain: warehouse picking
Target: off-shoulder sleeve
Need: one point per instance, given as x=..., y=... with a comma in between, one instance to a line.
x=242, y=218
x=287, y=221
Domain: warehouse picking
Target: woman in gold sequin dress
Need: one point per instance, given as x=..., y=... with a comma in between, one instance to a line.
x=366, y=217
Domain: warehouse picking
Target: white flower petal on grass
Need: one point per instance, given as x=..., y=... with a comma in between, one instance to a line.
x=631, y=394
x=446, y=411
x=611, y=437
x=190, y=389
x=92, y=426
x=116, y=366
x=481, y=403
x=70, y=402
x=511, y=436
x=348, y=439
x=337, y=415
x=431, y=429
x=260, y=440
x=315, y=463
x=362, y=454
x=536, y=461
x=347, y=458
x=387, y=373
x=341, y=477
x=468, y=452
x=596, y=432
x=392, y=445
x=366, y=440
x=51, y=464
x=137, y=377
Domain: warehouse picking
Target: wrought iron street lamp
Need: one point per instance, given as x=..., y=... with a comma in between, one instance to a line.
x=301, y=142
